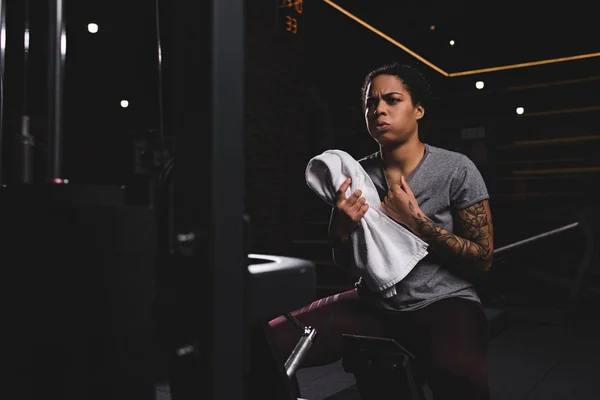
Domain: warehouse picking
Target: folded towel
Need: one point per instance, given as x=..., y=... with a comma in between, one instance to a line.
x=384, y=251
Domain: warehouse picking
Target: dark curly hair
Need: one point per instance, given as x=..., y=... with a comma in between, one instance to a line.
x=413, y=80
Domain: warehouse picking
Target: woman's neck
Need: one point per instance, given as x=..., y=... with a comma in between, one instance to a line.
x=404, y=157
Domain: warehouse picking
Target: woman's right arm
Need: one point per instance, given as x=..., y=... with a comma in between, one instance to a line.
x=340, y=244
x=344, y=220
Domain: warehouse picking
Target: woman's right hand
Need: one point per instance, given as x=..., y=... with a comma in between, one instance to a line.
x=348, y=212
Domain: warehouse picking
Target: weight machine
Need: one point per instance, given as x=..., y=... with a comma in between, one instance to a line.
x=108, y=296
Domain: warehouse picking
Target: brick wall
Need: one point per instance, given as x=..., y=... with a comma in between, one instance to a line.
x=283, y=130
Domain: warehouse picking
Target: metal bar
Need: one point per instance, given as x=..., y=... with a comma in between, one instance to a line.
x=2, y=63
x=227, y=193
x=294, y=321
x=295, y=359
x=536, y=237
x=57, y=53
x=26, y=140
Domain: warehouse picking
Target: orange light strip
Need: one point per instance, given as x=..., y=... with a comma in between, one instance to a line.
x=554, y=83
x=524, y=65
x=545, y=142
x=563, y=111
x=462, y=73
x=386, y=37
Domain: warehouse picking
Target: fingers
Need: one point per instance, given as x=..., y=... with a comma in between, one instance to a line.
x=405, y=185
x=341, y=193
x=355, y=197
x=353, y=204
x=357, y=204
x=362, y=211
x=401, y=187
x=351, y=201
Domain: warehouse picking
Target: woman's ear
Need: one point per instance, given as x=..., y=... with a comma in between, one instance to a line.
x=419, y=111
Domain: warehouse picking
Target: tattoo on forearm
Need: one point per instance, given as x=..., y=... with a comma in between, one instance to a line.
x=474, y=225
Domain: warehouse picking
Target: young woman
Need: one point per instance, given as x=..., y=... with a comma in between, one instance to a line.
x=441, y=196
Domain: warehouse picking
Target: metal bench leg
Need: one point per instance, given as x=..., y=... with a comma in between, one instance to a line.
x=308, y=336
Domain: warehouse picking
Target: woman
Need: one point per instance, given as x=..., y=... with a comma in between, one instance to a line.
x=441, y=196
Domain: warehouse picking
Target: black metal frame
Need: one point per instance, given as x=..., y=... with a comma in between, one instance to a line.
x=227, y=199
x=2, y=64
x=56, y=64
x=536, y=237
x=228, y=262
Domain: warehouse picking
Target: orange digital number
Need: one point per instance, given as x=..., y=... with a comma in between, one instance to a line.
x=291, y=24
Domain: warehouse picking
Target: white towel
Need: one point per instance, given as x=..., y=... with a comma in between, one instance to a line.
x=384, y=251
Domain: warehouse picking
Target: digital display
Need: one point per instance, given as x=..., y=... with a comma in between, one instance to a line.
x=289, y=16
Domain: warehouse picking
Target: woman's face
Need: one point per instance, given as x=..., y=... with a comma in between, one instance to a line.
x=390, y=114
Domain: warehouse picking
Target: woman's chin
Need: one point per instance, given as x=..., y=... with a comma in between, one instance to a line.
x=389, y=142
x=386, y=138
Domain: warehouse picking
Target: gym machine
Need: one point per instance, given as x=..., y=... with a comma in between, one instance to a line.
x=104, y=298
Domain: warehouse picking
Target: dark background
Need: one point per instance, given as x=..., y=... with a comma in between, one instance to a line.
x=302, y=96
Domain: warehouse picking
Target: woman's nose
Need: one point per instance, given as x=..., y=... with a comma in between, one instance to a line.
x=379, y=111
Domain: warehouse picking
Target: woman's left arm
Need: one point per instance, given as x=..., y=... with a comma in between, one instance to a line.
x=473, y=242
x=474, y=238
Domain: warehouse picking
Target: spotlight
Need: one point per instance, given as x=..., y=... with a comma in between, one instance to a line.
x=92, y=28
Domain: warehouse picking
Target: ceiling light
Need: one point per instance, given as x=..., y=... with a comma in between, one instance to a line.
x=452, y=43
x=353, y=17
x=124, y=103
x=92, y=28
x=479, y=84
x=520, y=110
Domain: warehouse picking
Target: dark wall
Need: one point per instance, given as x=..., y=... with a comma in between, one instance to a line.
x=286, y=124
x=302, y=96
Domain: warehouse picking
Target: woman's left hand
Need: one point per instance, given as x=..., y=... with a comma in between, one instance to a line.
x=401, y=205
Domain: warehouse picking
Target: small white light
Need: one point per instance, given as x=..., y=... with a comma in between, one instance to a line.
x=479, y=84
x=520, y=110
x=452, y=43
x=93, y=28
x=124, y=103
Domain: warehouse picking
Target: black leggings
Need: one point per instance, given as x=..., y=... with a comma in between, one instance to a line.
x=449, y=338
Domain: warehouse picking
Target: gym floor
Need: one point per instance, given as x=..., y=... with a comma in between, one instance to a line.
x=526, y=361
x=531, y=359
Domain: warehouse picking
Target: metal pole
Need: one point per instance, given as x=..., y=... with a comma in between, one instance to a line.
x=27, y=143
x=2, y=63
x=302, y=347
x=295, y=359
x=57, y=52
x=227, y=194
x=536, y=237
x=26, y=140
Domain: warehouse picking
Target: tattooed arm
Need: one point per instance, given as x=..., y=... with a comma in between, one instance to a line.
x=474, y=238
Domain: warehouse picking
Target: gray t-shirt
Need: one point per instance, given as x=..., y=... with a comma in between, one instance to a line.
x=443, y=182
